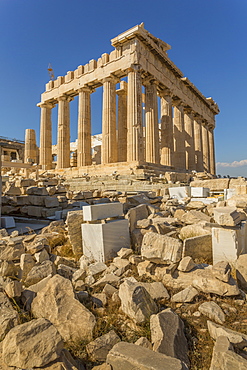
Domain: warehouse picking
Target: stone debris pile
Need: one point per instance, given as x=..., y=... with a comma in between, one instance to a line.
x=146, y=305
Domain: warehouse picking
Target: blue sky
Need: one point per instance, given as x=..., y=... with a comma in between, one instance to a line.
x=208, y=40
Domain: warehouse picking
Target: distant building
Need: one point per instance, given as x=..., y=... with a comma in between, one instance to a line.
x=14, y=150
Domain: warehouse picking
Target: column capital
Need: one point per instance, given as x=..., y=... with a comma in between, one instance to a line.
x=146, y=81
x=110, y=78
x=86, y=89
x=46, y=105
x=65, y=98
x=165, y=92
x=133, y=68
x=176, y=102
x=188, y=110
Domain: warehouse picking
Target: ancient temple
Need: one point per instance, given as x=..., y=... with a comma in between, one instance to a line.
x=182, y=138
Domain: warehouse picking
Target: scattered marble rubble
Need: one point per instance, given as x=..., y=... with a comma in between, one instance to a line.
x=170, y=262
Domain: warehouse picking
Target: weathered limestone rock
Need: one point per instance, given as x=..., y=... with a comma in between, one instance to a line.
x=227, y=216
x=7, y=268
x=42, y=256
x=74, y=221
x=222, y=271
x=238, y=339
x=199, y=247
x=96, y=268
x=136, y=302
x=239, y=201
x=26, y=264
x=167, y=334
x=36, y=200
x=212, y=184
x=11, y=249
x=137, y=213
x=39, y=272
x=190, y=231
x=161, y=248
x=107, y=279
x=30, y=293
x=34, y=190
x=8, y=316
x=192, y=217
x=186, y=264
x=212, y=311
x=144, y=342
x=35, y=343
x=224, y=357
x=186, y=295
x=241, y=271
x=205, y=281
x=51, y=202
x=99, y=348
x=156, y=290
x=56, y=302
x=128, y=356
x=13, y=288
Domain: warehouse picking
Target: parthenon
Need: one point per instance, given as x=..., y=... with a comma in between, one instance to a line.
x=182, y=138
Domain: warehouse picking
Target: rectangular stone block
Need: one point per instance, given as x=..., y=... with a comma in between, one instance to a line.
x=227, y=216
x=101, y=242
x=180, y=192
x=229, y=243
x=34, y=211
x=198, y=247
x=102, y=211
x=199, y=192
x=7, y=222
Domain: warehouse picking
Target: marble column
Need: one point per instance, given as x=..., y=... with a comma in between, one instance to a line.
x=189, y=139
x=30, y=154
x=152, y=128
x=45, y=150
x=134, y=115
x=205, y=147
x=211, y=150
x=122, y=122
x=198, y=144
x=109, y=138
x=166, y=136
x=179, y=159
x=63, y=133
x=84, y=157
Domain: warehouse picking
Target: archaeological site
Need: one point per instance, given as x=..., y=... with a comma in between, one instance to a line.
x=122, y=250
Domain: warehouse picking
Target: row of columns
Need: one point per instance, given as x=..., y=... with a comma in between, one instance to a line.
x=185, y=140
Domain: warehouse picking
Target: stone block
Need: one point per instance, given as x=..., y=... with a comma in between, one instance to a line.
x=102, y=211
x=74, y=221
x=51, y=202
x=101, y=242
x=227, y=216
x=198, y=247
x=36, y=200
x=180, y=192
x=229, y=243
x=137, y=213
x=199, y=192
x=34, y=211
x=128, y=356
x=7, y=222
x=34, y=190
x=161, y=248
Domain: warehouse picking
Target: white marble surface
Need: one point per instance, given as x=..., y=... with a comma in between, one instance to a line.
x=179, y=192
x=101, y=211
x=101, y=242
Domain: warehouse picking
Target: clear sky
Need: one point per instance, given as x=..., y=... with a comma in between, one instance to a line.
x=208, y=40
